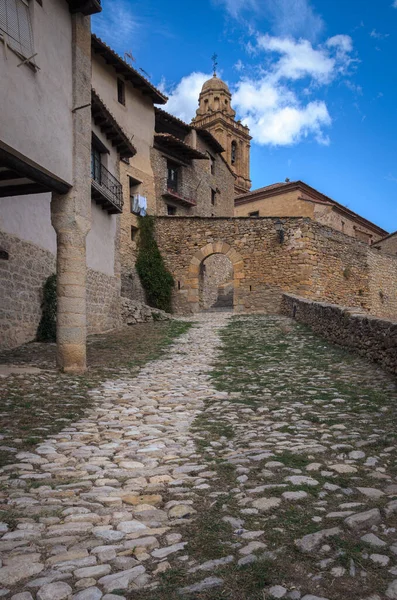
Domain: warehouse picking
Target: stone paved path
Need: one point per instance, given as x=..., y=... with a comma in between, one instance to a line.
x=281, y=470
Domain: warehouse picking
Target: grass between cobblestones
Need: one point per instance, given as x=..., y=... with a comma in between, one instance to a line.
x=35, y=406
x=277, y=371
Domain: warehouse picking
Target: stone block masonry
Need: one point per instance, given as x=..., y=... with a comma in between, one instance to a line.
x=22, y=277
x=371, y=337
x=314, y=261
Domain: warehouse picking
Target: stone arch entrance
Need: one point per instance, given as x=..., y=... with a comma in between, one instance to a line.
x=195, y=272
x=216, y=289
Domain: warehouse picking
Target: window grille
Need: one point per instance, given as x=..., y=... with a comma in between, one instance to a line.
x=15, y=25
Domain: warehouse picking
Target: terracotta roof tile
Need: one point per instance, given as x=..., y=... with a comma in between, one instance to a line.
x=178, y=146
x=103, y=117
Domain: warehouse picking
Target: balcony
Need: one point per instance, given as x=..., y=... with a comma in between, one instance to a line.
x=106, y=190
x=172, y=194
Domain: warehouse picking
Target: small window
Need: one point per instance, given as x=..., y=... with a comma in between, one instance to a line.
x=135, y=189
x=15, y=24
x=134, y=233
x=234, y=152
x=121, y=91
x=212, y=164
x=171, y=210
x=254, y=214
x=363, y=236
x=172, y=176
x=213, y=197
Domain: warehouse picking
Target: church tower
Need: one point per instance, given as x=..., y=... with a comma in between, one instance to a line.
x=216, y=114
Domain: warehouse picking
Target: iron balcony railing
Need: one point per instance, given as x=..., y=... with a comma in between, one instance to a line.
x=106, y=184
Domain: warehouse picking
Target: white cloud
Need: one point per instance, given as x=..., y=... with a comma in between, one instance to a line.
x=379, y=36
x=298, y=59
x=183, y=99
x=394, y=5
x=272, y=104
x=115, y=24
x=236, y=7
x=276, y=117
x=288, y=17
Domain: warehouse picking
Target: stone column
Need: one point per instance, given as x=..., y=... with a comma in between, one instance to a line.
x=71, y=213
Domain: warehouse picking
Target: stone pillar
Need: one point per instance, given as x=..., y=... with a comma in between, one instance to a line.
x=71, y=213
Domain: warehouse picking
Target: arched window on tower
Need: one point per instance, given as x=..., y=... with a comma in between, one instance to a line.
x=234, y=153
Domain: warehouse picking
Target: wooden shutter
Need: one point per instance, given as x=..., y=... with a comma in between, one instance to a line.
x=15, y=23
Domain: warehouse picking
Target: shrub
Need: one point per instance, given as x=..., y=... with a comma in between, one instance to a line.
x=156, y=280
x=47, y=329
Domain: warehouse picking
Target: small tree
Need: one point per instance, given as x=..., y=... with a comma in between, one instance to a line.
x=47, y=329
x=156, y=280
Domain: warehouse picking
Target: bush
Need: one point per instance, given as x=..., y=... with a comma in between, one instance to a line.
x=47, y=329
x=156, y=280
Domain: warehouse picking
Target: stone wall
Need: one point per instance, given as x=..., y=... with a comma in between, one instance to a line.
x=373, y=338
x=195, y=181
x=21, y=292
x=388, y=244
x=382, y=284
x=313, y=261
x=103, y=302
x=21, y=289
x=298, y=203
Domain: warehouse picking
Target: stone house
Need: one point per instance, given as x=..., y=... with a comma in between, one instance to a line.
x=130, y=98
x=297, y=199
x=191, y=176
x=387, y=244
x=45, y=146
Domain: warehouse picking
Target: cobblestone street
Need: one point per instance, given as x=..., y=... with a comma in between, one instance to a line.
x=253, y=460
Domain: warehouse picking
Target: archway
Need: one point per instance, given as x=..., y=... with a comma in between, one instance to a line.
x=195, y=270
x=216, y=283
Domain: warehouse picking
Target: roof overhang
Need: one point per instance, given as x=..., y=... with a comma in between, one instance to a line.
x=165, y=120
x=104, y=119
x=313, y=195
x=177, y=147
x=129, y=73
x=210, y=139
x=20, y=176
x=86, y=7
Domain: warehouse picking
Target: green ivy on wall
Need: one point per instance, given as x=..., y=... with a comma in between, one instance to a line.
x=156, y=280
x=47, y=329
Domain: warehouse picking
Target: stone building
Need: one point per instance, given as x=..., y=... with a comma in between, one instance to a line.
x=45, y=146
x=388, y=243
x=130, y=98
x=216, y=115
x=309, y=260
x=297, y=199
x=191, y=176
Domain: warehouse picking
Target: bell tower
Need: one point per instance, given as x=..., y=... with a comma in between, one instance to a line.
x=216, y=114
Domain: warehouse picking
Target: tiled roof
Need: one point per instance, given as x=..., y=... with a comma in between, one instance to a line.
x=177, y=146
x=393, y=233
x=109, y=126
x=86, y=7
x=273, y=186
x=313, y=195
x=128, y=72
x=204, y=133
x=210, y=139
x=166, y=116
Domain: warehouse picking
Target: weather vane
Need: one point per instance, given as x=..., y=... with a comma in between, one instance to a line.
x=214, y=59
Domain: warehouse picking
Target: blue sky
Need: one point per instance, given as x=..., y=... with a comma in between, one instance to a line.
x=315, y=81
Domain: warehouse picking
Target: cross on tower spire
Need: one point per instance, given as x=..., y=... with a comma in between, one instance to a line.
x=214, y=59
